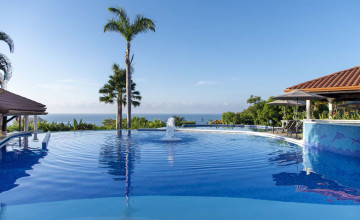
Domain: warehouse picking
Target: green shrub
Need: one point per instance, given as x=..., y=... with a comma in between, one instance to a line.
x=109, y=124
x=179, y=121
x=229, y=118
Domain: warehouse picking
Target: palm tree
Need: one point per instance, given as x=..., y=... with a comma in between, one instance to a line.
x=121, y=23
x=114, y=90
x=5, y=64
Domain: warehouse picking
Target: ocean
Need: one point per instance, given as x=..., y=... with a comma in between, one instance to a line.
x=98, y=118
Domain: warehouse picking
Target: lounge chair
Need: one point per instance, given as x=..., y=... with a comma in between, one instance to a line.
x=296, y=128
x=290, y=125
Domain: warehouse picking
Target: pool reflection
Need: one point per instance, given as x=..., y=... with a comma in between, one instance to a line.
x=119, y=159
x=325, y=173
x=16, y=158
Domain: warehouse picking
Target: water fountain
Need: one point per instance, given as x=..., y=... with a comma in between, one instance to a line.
x=170, y=128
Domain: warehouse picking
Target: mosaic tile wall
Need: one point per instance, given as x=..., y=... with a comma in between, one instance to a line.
x=338, y=138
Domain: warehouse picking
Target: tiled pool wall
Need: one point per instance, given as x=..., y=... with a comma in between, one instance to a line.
x=341, y=138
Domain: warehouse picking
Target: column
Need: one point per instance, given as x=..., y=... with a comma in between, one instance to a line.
x=308, y=109
x=35, y=128
x=35, y=123
x=26, y=123
x=331, y=102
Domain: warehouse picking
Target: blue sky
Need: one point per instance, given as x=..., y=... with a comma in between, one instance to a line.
x=205, y=57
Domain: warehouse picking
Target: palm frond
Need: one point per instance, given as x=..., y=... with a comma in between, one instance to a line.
x=135, y=103
x=115, y=67
x=7, y=39
x=120, y=13
x=5, y=66
x=136, y=97
x=142, y=24
x=114, y=26
x=135, y=93
x=106, y=99
x=116, y=86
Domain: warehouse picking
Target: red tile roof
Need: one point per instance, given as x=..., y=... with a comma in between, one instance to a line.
x=340, y=81
x=10, y=102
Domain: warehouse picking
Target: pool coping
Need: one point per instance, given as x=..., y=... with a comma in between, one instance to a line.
x=14, y=135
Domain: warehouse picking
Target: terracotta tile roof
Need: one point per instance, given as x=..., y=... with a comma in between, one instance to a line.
x=340, y=81
x=10, y=102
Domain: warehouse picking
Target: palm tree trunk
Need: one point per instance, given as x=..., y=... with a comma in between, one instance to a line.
x=128, y=85
x=119, y=112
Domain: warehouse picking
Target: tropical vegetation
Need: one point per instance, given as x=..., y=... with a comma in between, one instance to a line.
x=115, y=91
x=121, y=23
x=107, y=124
x=179, y=121
x=5, y=65
x=259, y=113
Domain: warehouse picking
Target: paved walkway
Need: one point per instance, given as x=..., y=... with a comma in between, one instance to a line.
x=284, y=135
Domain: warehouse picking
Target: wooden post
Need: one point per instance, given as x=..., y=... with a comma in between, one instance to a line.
x=19, y=122
x=3, y=127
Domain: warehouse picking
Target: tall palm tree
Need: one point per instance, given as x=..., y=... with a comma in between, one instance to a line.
x=121, y=23
x=114, y=90
x=5, y=64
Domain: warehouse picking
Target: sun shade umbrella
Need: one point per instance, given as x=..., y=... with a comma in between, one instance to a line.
x=299, y=95
x=354, y=104
x=286, y=103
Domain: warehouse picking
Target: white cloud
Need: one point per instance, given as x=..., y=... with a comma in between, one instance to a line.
x=200, y=83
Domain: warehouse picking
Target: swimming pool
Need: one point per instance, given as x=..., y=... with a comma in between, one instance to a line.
x=258, y=128
x=93, y=174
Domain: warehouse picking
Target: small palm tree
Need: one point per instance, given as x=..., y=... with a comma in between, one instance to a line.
x=121, y=23
x=114, y=90
x=5, y=64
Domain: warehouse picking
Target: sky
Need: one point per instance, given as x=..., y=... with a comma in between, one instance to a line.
x=206, y=56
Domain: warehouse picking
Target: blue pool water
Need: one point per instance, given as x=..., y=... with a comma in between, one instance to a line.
x=229, y=128
x=84, y=169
